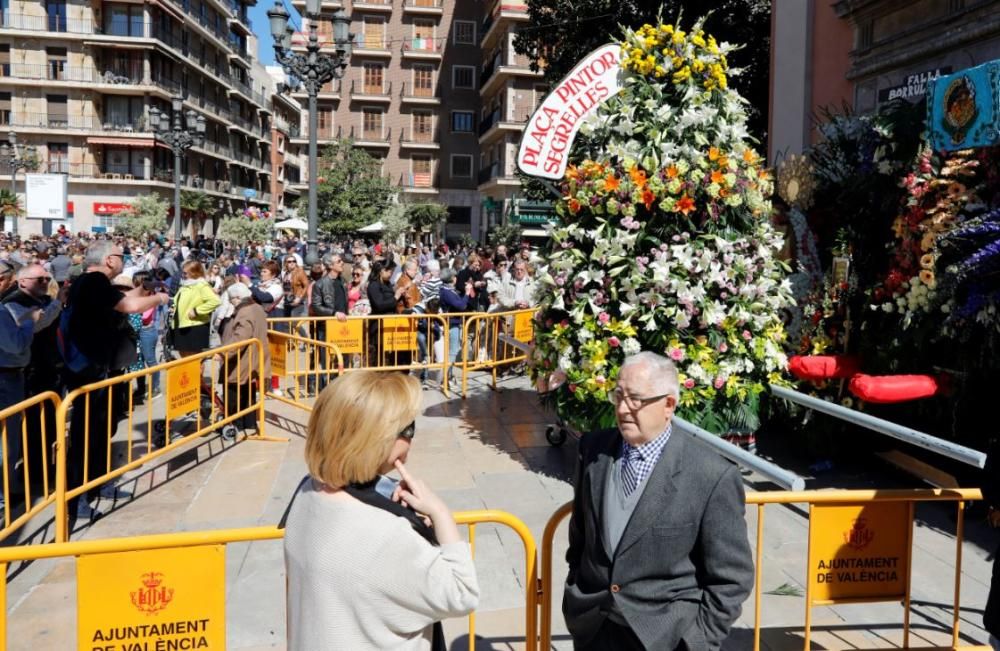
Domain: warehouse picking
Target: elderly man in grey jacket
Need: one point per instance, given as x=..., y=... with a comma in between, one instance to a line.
x=658, y=551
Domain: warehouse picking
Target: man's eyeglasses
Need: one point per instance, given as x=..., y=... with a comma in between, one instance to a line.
x=618, y=396
x=117, y=255
x=44, y=279
x=408, y=431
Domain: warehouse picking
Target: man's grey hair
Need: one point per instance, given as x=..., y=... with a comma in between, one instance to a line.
x=411, y=263
x=98, y=252
x=331, y=259
x=447, y=275
x=661, y=372
x=433, y=266
x=23, y=272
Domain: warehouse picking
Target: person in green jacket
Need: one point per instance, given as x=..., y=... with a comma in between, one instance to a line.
x=192, y=310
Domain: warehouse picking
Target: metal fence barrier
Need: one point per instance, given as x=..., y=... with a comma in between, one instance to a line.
x=29, y=433
x=251, y=534
x=192, y=407
x=486, y=341
x=812, y=499
x=304, y=367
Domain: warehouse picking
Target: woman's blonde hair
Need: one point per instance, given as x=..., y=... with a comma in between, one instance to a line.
x=194, y=269
x=354, y=423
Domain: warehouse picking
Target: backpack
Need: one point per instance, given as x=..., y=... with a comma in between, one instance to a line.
x=72, y=356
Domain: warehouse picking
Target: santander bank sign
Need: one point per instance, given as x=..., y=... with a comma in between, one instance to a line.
x=550, y=131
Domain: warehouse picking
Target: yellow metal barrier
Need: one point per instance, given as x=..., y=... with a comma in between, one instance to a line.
x=486, y=352
x=31, y=422
x=188, y=396
x=812, y=498
x=386, y=342
x=220, y=537
x=307, y=366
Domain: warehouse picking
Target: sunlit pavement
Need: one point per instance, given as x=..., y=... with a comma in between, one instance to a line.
x=487, y=451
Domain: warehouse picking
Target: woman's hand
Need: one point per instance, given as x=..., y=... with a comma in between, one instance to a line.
x=192, y=314
x=413, y=493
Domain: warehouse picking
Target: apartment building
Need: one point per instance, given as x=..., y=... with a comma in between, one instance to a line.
x=435, y=91
x=78, y=79
x=288, y=156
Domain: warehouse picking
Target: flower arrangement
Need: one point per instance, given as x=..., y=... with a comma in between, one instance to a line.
x=665, y=243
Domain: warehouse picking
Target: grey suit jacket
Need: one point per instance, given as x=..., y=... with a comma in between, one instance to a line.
x=683, y=566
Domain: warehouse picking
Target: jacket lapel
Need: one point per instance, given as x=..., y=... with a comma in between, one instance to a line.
x=660, y=490
x=598, y=476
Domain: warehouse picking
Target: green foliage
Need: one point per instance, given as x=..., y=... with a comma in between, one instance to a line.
x=508, y=234
x=427, y=216
x=352, y=192
x=147, y=216
x=238, y=229
x=196, y=201
x=394, y=222
x=10, y=204
x=569, y=28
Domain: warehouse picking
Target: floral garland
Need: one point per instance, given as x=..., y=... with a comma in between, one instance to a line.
x=665, y=243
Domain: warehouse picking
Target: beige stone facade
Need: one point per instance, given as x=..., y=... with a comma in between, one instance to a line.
x=435, y=90
x=77, y=82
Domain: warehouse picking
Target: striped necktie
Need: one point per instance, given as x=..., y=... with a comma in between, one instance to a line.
x=630, y=470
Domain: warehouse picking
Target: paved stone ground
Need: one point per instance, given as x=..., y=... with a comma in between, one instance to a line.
x=488, y=451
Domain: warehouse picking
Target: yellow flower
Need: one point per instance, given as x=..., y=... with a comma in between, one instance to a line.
x=678, y=38
x=667, y=29
x=682, y=75
x=698, y=40
x=698, y=66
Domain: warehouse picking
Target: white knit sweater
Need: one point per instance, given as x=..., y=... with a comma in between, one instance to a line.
x=361, y=578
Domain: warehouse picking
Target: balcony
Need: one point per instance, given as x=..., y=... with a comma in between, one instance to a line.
x=368, y=45
x=323, y=133
x=422, y=139
x=58, y=24
x=384, y=6
x=51, y=71
x=424, y=94
x=491, y=176
x=499, y=69
x=362, y=92
x=94, y=171
x=372, y=137
x=329, y=90
x=500, y=15
x=417, y=182
x=496, y=123
x=423, y=7
x=423, y=49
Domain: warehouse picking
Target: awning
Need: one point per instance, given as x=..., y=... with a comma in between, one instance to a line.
x=534, y=232
x=123, y=142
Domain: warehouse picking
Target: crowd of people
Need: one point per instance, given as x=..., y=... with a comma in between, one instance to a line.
x=80, y=309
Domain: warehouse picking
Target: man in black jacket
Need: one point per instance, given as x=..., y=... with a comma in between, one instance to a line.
x=329, y=298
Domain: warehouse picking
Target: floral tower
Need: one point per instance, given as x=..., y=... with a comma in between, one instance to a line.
x=665, y=243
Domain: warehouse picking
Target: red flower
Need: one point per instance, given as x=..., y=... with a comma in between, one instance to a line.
x=648, y=198
x=685, y=205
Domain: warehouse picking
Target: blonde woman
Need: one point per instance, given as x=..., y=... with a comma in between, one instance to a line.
x=192, y=310
x=365, y=571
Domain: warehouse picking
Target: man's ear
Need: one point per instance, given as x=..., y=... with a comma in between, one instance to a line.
x=671, y=405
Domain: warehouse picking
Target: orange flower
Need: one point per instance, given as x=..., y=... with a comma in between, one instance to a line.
x=723, y=193
x=648, y=198
x=718, y=177
x=611, y=183
x=749, y=156
x=574, y=206
x=685, y=205
x=723, y=161
x=673, y=172
x=572, y=172
x=638, y=177
x=713, y=154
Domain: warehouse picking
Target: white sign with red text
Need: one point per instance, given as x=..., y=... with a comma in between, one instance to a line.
x=551, y=129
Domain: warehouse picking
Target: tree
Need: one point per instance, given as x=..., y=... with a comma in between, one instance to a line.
x=238, y=229
x=563, y=30
x=394, y=222
x=352, y=192
x=197, y=204
x=146, y=215
x=508, y=234
x=426, y=216
x=10, y=204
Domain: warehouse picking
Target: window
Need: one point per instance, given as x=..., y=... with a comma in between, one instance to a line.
x=462, y=121
x=371, y=124
x=324, y=123
x=56, y=58
x=58, y=157
x=461, y=166
x=58, y=115
x=373, y=77
x=420, y=172
x=4, y=109
x=5, y=59
x=374, y=33
x=121, y=111
x=123, y=20
x=56, y=10
x=110, y=222
x=423, y=126
x=463, y=77
x=465, y=32
x=324, y=30
x=423, y=35
x=423, y=81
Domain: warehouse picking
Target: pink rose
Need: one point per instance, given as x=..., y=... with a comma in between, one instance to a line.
x=564, y=323
x=603, y=318
x=689, y=383
x=572, y=388
x=747, y=335
x=676, y=354
x=600, y=379
x=614, y=342
x=720, y=382
x=723, y=347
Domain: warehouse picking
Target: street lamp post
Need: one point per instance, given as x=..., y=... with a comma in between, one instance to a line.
x=314, y=69
x=14, y=163
x=179, y=134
